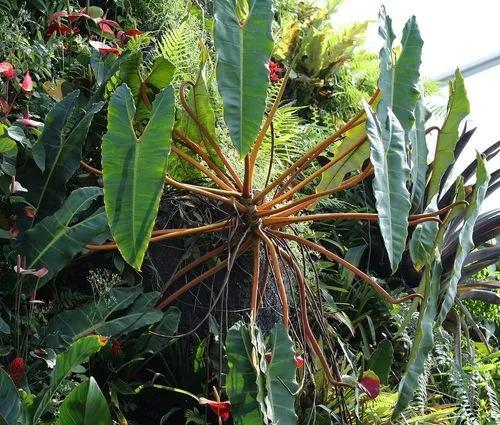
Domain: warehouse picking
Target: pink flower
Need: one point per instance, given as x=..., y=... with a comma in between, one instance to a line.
x=106, y=25
x=30, y=212
x=220, y=408
x=103, y=48
x=7, y=70
x=28, y=122
x=39, y=273
x=370, y=384
x=275, y=71
x=27, y=83
x=57, y=27
x=299, y=362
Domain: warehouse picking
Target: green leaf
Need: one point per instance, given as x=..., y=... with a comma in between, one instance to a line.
x=243, y=41
x=134, y=170
x=168, y=326
x=466, y=243
x=381, y=360
x=423, y=238
x=280, y=378
x=58, y=153
x=97, y=317
x=78, y=353
x=351, y=162
x=424, y=338
x=10, y=403
x=458, y=109
x=6, y=143
x=388, y=156
x=85, y=405
x=161, y=74
x=54, y=241
x=419, y=152
x=241, y=385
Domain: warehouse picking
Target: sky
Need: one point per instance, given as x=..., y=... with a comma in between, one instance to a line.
x=455, y=33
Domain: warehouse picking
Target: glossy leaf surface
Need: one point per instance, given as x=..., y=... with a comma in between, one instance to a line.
x=134, y=170
x=243, y=41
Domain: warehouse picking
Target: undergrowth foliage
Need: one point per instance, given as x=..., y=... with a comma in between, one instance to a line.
x=258, y=142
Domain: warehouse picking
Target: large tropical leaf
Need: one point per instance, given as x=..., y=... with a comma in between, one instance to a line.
x=458, y=109
x=78, y=353
x=241, y=383
x=53, y=242
x=243, y=41
x=419, y=152
x=58, y=153
x=98, y=316
x=424, y=338
x=423, y=239
x=134, y=170
x=466, y=243
x=85, y=405
x=10, y=403
x=388, y=156
x=351, y=162
x=280, y=378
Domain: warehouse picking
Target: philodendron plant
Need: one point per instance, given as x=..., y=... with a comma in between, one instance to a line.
x=386, y=140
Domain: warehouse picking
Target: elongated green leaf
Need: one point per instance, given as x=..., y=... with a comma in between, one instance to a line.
x=161, y=74
x=351, y=162
x=466, y=243
x=381, y=360
x=423, y=239
x=168, y=326
x=419, y=152
x=134, y=170
x=243, y=41
x=85, y=405
x=399, y=81
x=241, y=385
x=78, y=353
x=388, y=156
x=280, y=378
x=10, y=403
x=59, y=151
x=458, y=109
x=53, y=242
x=6, y=143
x=97, y=317
x=424, y=337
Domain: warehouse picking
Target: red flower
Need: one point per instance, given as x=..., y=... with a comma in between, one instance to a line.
x=220, y=408
x=30, y=212
x=7, y=70
x=104, y=49
x=134, y=32
x=57, y=27
x=116, y=348
x=299, y=362
x=370, y=384
x=13, y=229
x=27, y=83
x=17, y=370
x=275, y=71
x=106, y=25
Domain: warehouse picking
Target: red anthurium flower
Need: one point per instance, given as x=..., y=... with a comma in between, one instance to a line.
x=7, y=70
x=104, y=49
x=106, y=25
x=58, y=28
x=299, y=361
x=27, y=83
x=370, y=384
x=30, y=212
x=134, y=32
x=116, y=348
x=220, y=408
x=17, y=370
x=39, y=273
x=275, y=71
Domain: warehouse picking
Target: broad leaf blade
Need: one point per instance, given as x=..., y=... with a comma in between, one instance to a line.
x=280, y=379
x=10, y=403
x=419, y=152
x=134, y=170
x=53, y=242
x=59, y=152
x=85, y=405
x=423, y=239
x=388, y=156
x=78, y=353
x=243, y=41
x=241, y=383
x=458, y=109
x=424, y=338
x=466, y=243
